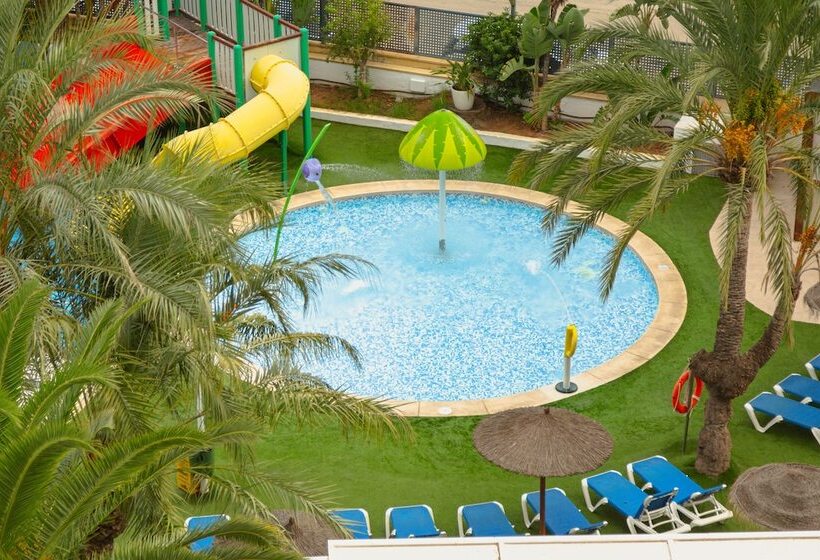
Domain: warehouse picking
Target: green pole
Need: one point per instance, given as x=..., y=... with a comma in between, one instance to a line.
x=240, y=22
x=283, y=136
x=307, y=126
x=214, y=77
x=283, y=146
x=277, y=26
x=162, y=6
x=203, y=15
x=293, y=188
x=176, y=7
x=239, y=75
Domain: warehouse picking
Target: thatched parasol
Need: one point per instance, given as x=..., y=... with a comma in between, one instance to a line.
x=812, y=298
x=782, y=496
x=543, y=442
x=308, y=533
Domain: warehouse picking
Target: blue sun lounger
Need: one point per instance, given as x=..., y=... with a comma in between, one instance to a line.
x=784, y=410
x=643, y=512
x=813, y=367
x=804, y=388
x=697, y=504
x=201, y=523
x=355, y=520
x=409, y=522
x=487, y=519
x=563, y=518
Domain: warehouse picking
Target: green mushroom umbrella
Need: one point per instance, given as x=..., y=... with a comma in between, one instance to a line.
x=442, y=141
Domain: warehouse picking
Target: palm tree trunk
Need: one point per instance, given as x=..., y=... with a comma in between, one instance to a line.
x=714, y=441
x=724, y=370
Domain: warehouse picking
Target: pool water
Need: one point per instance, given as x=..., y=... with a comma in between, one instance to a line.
x=484, y=319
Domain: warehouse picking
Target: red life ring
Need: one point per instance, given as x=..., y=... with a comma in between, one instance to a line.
x=683, y=407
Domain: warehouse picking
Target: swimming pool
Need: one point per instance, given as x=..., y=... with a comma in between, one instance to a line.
x=485, y=319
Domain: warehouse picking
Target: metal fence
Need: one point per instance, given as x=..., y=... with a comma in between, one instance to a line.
x=440, y=33
x=93, y=7
x=415, y=30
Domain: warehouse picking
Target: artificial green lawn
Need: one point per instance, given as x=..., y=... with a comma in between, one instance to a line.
x=440, y=467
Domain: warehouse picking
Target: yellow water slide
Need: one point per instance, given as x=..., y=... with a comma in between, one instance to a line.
x=282, y=91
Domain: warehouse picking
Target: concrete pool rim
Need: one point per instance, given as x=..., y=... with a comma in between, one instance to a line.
x=669, y=315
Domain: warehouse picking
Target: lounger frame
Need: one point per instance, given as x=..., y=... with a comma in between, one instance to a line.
x=525, y=513
x=810, y=368
x=468, y=532
x=388, y=529
x=782, y=392
x=699, y=509
x=775, y=420
x=649, y=521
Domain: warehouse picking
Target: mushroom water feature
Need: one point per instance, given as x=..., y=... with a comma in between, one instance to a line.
x=442, y=141
x=312, y=172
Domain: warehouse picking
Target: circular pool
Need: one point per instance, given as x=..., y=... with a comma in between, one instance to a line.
x=484, y=319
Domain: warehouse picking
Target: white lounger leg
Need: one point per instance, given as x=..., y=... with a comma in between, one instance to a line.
x=756, y=422
x=588, y=498
x=810, y=369
x=525, y=512
x=816, y=433
x=704, y=511
x=387, y=522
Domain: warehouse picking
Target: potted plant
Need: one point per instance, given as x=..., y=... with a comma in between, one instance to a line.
x=462, y=85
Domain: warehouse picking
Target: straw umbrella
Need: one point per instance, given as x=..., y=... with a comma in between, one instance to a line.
x=442, y=141
x=812, y=298
x=781, y=496
x=542, y=442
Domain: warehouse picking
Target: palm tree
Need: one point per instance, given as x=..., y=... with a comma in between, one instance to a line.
x=161, y=234
x=760, y=56
x=58, y=482
x=155, y=236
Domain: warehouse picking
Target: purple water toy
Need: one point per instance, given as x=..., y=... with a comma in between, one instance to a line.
x=312, y=172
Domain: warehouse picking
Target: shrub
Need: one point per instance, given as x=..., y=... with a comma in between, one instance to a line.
x=303, y=12
x=491, y=42
x=355, y=28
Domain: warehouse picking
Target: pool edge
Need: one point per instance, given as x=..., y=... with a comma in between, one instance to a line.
x=672, y=297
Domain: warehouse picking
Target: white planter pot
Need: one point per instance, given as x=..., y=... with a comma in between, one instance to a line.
x=463, y=100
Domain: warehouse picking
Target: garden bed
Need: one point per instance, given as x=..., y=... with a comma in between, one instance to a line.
x=484, y=116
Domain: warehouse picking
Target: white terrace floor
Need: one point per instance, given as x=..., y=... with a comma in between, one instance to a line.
x=748, y=546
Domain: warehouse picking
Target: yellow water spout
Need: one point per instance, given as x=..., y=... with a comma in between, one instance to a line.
x=282, y=91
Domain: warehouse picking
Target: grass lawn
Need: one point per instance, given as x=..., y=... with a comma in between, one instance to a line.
x=441, y=468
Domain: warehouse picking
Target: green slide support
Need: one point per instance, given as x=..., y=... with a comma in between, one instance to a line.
x=239, y=74
x=203, y=14
x=283, y=136
x=240, y=22
x=212, y=55
x=164, y=24
x=304, y=60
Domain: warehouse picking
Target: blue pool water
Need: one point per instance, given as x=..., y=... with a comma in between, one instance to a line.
x=486, y=319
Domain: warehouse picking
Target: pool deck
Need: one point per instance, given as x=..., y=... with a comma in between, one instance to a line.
x=758, y=293
x=672, y=300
